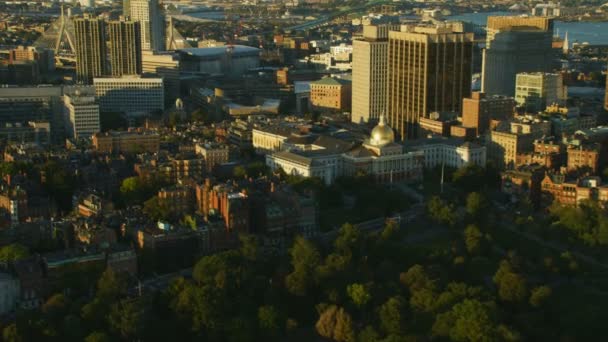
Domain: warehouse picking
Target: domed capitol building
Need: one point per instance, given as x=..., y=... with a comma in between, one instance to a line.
x=379, y=156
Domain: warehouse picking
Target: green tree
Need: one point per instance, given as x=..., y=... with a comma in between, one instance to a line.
x=359, y=294
x=13, y=252
x=157, y=209
x=511, y=286
x=472, y=239
x=111, y=285
x=98, y=336
x=469, y=320
x=416, y=278
x=336, y=324
x=125, y=319
x=11, y=334
x=349, y=240
x=391, y=320
x=239, y=172
x=540, y=295
x=441, y=212
x=304, y=258
x=476, y=205
x=269, y=321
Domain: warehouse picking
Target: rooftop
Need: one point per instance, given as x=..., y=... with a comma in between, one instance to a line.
x=218, y=50
x=331, y=81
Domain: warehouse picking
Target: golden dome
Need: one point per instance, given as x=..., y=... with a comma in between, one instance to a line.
x=382, y=134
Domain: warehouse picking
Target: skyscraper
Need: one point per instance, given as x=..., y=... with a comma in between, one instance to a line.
x=90, y=48
x=536, y=91
x=514, y=45
x=149, y=14
x=126, y=8
x=369, y=73
x=429, y=70
x=125, y=47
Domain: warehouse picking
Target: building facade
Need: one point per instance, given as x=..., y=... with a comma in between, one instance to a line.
x=125, y=47
x=537, y=91
x=429, y=70
x=479, y=109
x=90, y=45
x=126, y=142
x=130, y=94
x=515, y=45
x=81, y=113
x=370, y=73
x=152, y=23
x=331, y=94
x=213, y=153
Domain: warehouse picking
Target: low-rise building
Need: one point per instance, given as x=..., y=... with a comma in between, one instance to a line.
x=523, y=182
x=213, y=153
x=81, y=114
x=453, y=152
x=270, y=138
x=130, y=94
x=331, y=94
x=127, y=142
x=584, y=158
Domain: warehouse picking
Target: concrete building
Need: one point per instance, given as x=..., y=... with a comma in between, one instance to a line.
x=165, y=65
x=585, y=158
x=152, y=23
x=81, y=113
x=127, y=142
x=130, y=94
x=370, y=73
x=45, y=58
x=379, y=156
x=36, y=132
x=232, y=61
x=125, y=47
x=515, y=45
x=90, y=45
x=433, y=78
x=26, y=104
x=536, y=91
x=213, y=153
x=508, y=141
x=450, y=152
x=479, y=109
x=268, y=139
x=331, y=94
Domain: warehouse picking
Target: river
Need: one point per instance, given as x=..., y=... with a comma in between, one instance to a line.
x=578, y=31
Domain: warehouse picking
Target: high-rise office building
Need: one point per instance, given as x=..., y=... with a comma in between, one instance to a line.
x=429, y=70
x=130, y=94
x=514, y=45
x=125, y=47
x=536, y=91
x=479, y=110
x=126, y=8
x=149, y=14
x=81, y=113
x=90, y=48
x=369, y=73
